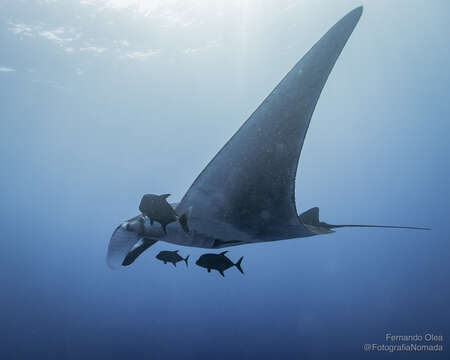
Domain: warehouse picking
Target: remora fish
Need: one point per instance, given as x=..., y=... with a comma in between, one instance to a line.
x=156, y=208
x=172, y=257
x=218, y=262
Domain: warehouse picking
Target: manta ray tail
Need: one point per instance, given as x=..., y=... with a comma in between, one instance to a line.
x=379, y=226
x=186, y=260
x=311, y=218
x=238, y=265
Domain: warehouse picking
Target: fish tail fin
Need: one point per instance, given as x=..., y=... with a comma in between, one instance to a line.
x=238, y=265
x=183, y=220
x=186, y=260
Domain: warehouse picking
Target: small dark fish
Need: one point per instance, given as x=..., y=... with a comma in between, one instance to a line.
x=156, y=208
x=172, y=257
x=218, y=262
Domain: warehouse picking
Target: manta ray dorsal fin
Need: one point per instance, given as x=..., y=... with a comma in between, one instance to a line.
x=164, y=196
x=223, y=252
x=310, y=217
x=176, y=251
x=248, y=189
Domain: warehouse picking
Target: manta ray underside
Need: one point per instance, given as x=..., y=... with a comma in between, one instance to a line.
x=246, y=194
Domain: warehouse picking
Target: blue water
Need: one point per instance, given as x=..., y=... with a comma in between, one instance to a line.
x=102, y=102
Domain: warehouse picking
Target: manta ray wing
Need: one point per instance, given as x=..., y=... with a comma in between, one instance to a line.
x=249, y=186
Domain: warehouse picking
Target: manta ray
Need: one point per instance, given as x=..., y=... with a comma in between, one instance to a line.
x=246, y=194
